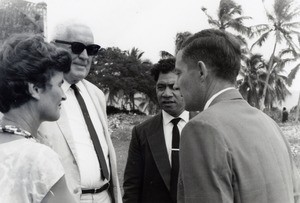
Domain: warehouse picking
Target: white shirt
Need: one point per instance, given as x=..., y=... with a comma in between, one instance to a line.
x=168, y=127
x=215, y=95
x=85, y=156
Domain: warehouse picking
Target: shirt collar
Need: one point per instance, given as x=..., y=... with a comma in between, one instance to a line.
x=167, y=117
x=215, y=95
x=66, y=86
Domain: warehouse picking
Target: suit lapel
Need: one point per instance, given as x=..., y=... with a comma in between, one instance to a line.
x=158, y=149
x=66, y=131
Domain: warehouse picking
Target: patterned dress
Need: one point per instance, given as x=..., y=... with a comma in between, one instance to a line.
x=28, y=170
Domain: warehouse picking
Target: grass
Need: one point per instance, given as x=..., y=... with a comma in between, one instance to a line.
x=122, y=124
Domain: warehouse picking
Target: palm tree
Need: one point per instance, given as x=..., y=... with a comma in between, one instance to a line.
x=180, y=38
x=283, y=27
x=252, y=73
x=255, y=73
x=135, y=53
x=277, y=89
x=291, y=77
x=229, y=16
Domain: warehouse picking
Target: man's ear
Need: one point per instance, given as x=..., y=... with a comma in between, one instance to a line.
x=202, y=70
x=34, y=91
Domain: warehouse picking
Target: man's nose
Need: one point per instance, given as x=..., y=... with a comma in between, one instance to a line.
x=168, y=92
x=176, y=86
x=84, y=55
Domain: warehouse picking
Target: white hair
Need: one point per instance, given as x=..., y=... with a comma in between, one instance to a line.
x=62, y=29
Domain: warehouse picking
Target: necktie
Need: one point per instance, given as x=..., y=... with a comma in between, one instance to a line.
x=175, y=158
x=93, y=134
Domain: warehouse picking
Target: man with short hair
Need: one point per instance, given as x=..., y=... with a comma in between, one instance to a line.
x=81, y=136
x=151, y=171
x=230, y=152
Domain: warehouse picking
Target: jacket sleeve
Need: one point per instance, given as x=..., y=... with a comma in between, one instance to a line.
x=205, y=164
x=133, y=175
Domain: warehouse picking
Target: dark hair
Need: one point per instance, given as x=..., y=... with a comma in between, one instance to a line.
x=216, y=48
x=27, y=58
x=163, y=66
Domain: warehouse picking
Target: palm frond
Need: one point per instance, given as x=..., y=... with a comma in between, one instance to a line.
x=236, y=10
x=259, y=29
x=294, y=48
x=270, y=17
x=281, y=7
x=226, y=7
x=290, y=13
x=291, y=25
x=291, y=76
x=214, y=23
x=239, y=27
x=285, y=52
x=261, y=39
x=165, y=55
x=210, y=18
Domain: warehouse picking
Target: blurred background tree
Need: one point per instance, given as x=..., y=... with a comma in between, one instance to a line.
x=17, y=16
x=125, y=78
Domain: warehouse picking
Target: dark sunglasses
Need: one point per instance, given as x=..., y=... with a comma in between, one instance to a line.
x=78, y=47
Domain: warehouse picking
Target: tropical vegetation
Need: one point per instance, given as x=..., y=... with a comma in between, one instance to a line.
x=125, y=76
x=263, y=82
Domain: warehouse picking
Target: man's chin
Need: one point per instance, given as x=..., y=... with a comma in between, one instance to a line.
x=75, y=77
x=168, y=107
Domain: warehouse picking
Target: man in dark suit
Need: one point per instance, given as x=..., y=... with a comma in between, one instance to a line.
x=150, y=173
x=230, y=152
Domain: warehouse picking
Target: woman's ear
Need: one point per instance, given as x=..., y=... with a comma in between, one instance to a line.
x=34, y=91
x=202, y=70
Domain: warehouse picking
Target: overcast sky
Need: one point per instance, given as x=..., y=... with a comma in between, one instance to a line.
x=149, y=25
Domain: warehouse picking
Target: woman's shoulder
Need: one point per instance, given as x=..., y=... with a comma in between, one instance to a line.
x=29, y=151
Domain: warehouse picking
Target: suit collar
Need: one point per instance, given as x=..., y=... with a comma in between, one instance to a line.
x=216, y=95
x=64, y=127
x=228, y=95
x=167, y=117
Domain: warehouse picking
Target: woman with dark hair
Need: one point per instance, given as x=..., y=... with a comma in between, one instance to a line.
x=31, y=75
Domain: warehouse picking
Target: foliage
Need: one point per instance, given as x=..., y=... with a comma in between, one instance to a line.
x=252, y=81
x=263, y=83
x=122, y=75
x=165, y=55
x=180, y=38
x=18, y=16
x=284, y=28
x=255, y=75
x=274, y=113
x=229, y=16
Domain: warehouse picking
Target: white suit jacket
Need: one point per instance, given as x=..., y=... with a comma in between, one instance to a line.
x=58, y=136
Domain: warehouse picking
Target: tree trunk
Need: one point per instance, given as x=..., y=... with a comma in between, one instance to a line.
x=132, y=102
x=269, y=71
x=298, y=108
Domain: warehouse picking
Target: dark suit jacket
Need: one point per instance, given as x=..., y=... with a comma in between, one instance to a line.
x=232, y=152
x=148, y=172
